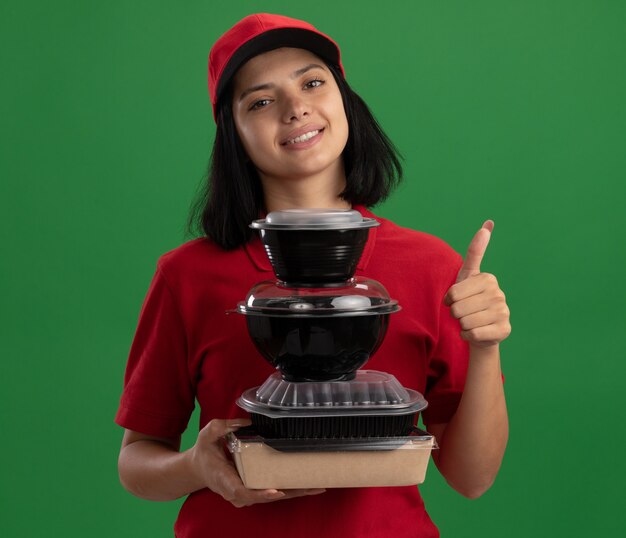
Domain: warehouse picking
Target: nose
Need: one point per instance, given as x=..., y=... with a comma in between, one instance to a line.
x=295, y=108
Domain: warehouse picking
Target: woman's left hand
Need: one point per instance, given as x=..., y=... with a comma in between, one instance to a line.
x=476, y=299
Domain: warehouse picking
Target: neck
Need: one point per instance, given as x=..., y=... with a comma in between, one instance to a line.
x=318, y=191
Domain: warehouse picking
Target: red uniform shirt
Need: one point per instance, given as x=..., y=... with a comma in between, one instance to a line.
x=186, y=348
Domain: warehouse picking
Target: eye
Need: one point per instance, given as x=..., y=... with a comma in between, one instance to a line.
x=259, y=104
x=316, y=82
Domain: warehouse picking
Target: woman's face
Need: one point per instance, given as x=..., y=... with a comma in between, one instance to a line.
x=289, y=115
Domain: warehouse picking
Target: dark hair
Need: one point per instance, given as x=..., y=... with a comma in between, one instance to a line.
x=232, y=196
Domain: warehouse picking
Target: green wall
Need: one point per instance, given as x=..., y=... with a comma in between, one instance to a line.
x=510, y=110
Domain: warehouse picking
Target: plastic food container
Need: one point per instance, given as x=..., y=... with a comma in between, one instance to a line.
x=318, y=333
x=373, y=404
x=312, y=247
x=330, y=463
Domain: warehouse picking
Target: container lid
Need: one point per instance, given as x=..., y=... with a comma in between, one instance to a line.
x=418, y=439
x=357, y=296
x=369, y=393
x=314, y=219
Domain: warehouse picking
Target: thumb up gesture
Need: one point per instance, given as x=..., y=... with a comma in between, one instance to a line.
x=476, y=300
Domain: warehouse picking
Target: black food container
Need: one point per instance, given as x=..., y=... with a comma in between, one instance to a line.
x=314, y=247
x=318, y=334
x=373, y=404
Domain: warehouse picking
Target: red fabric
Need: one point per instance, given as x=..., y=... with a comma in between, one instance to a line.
x=246, y=30
x=186, y=347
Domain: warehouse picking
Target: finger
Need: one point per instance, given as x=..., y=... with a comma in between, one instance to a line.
x=218, y=428
x=476, y=251
x=478, y=319
x=478, y=337
x=487, y=334
x=246, y=497
x=493, y=302
x=279, y=495
x=470, y=305
x=236, y=423
x=289, y=493
x=253, y=496
x=262, y=495
x=474, y=285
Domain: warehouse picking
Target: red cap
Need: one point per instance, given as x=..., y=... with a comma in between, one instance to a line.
x=260, y=33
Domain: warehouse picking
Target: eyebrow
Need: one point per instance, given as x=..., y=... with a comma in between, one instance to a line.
x=269, y=86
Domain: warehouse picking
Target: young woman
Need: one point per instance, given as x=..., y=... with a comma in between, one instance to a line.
x=292, y=134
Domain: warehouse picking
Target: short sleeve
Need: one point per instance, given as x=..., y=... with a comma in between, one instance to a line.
x=447, y=368
x=158, y=395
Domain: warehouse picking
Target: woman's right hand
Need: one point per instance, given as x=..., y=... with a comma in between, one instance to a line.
x=219, y=474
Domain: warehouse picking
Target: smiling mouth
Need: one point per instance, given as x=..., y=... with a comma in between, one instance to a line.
x=303, y=138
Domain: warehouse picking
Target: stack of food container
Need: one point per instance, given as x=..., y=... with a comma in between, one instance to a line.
x=319, y=421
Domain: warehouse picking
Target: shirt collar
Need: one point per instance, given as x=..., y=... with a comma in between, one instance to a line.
x=256, y=250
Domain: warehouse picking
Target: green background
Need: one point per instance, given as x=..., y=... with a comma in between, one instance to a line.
x=507, y=110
